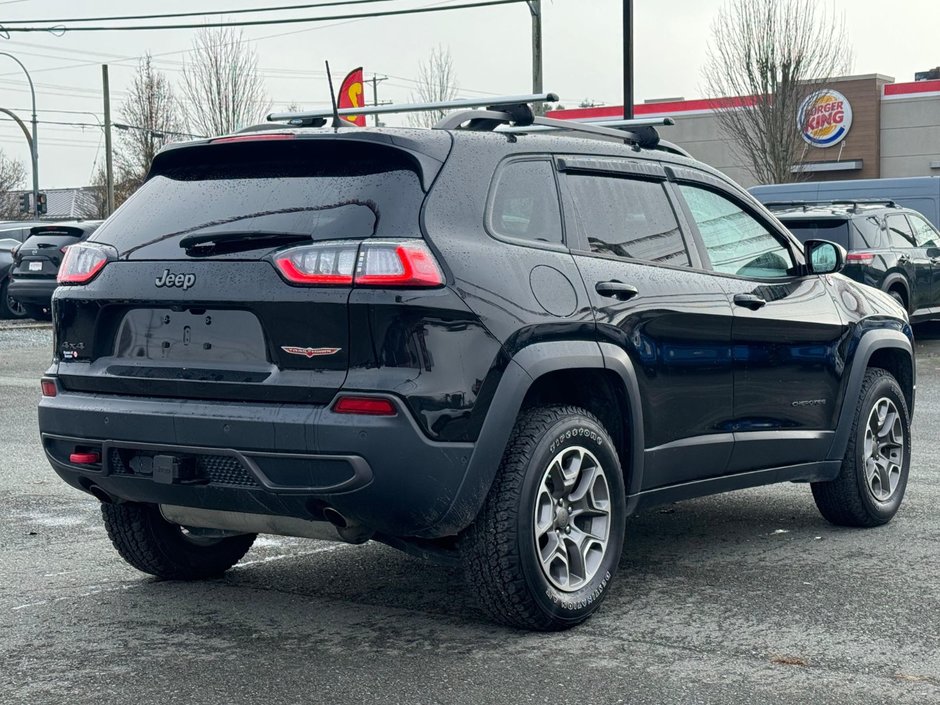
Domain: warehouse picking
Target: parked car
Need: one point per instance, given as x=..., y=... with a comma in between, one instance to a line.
x=919, y=193
x=12, y=235
x=477, y=346
x=36, y=263
x=888, y=247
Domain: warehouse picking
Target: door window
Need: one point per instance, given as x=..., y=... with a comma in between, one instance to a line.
x=525, y=203
x=736, y=242
x=625, y=217
x=900, y=234
x=925, y=235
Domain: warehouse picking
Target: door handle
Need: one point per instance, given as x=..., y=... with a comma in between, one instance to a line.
x=616, y=290
x=750, y=301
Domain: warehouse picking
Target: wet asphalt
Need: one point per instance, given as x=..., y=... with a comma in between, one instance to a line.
x=748, y=597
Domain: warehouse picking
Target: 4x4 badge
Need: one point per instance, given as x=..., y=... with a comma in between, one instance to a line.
x=309, y=352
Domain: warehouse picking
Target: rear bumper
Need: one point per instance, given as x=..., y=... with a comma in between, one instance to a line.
x=287, y=460
x=32, y=292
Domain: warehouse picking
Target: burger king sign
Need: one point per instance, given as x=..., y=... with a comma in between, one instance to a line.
x=825, y=118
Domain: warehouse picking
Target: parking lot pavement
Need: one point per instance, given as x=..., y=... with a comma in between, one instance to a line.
x=743, y=598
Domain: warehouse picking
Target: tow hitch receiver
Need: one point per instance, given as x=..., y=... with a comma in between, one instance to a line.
x=170, y=469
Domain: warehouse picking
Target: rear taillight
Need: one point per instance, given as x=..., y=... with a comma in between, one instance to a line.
x=860, y=257
x=381, y=263
x=83, y=261
x=48, y=386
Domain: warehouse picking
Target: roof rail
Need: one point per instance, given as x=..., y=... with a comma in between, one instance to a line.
x=854, y=202
x=520, y=118
x=460, y=104
x=627, y=125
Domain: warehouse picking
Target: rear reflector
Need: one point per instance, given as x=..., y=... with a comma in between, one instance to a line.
x=379, y=263
x=860, y=257
x=366, y=406
x=83, y=261
x=48, y=387
x=85, y=458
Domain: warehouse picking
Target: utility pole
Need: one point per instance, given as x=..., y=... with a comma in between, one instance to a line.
x=34, y=142
x=628, y=59
x=109, y=164
x=376, y=79
x=535, y=8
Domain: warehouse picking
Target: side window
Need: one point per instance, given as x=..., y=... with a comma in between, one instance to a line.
x=625, y=217
x=900, y=234
x=525, y=203
x=924, y=233
x=736, y=242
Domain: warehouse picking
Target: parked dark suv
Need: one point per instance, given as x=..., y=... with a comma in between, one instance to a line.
x=12, y=235
x=36, y=263
x=470, y=344
x=890, y=248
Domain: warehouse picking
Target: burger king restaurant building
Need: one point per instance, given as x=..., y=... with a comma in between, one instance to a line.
x=858, y=127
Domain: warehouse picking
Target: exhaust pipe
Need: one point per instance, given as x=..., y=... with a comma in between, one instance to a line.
x=338, y=528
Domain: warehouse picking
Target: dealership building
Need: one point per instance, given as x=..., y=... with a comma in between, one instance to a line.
x=858, y=127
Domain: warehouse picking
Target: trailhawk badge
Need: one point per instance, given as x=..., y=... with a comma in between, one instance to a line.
x=309, y=352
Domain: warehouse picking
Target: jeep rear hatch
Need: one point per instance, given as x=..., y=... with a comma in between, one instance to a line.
x=198, y=298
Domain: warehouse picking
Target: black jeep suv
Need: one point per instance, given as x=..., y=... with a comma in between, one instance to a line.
x=890, y=248
x=480, y=344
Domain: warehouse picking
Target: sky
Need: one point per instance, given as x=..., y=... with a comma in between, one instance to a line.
x=490, y=46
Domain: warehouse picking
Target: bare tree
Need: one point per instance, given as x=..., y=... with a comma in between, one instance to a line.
x=776, y=53
x=153, y=117
x=223, y=87
x=12, y=178
x=437, y=82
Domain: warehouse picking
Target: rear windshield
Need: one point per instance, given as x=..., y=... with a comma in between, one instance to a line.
x=326, y=190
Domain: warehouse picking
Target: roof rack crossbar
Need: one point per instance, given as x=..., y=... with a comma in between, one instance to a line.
x=461, y=104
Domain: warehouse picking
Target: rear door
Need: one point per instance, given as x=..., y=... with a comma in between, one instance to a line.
x=927, y=240
x=195, y=306
x=912, y=260
x=672, y=320
x=785, y=335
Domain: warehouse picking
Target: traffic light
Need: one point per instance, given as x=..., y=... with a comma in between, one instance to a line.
x=42, y=204
x=24, y=203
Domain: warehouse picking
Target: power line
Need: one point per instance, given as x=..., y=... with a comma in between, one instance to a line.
x=58, y=30
x=170, y=15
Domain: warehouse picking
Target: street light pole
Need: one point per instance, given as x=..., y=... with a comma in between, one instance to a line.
x=535, y=8
x=628, y=59
x=34, y=146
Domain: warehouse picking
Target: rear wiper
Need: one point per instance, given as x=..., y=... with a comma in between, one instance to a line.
x=240, y=240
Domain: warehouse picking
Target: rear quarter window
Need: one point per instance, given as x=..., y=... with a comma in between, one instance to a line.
x=524, y=203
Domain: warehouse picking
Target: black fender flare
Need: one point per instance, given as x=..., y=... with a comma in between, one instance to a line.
x=524, y=368
x=868, y=345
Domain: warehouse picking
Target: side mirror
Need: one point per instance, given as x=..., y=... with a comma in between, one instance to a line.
x=823, y=257
x=933, y=252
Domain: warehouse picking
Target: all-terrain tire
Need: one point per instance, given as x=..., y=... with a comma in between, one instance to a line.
x=501, y=551
x=848, y=500
x=153, y=545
